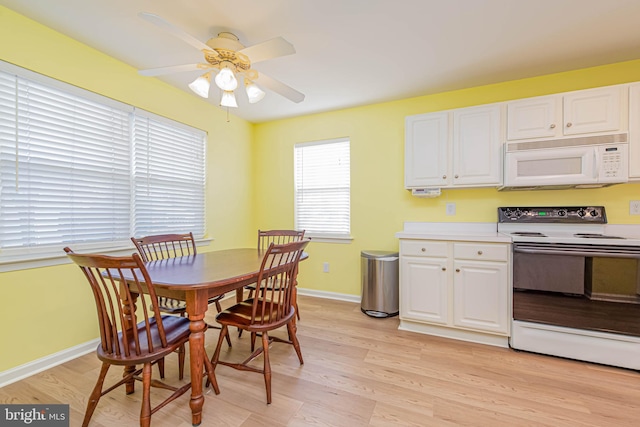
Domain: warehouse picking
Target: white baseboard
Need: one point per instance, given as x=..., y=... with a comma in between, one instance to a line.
x=23, y=371
x=329, y=295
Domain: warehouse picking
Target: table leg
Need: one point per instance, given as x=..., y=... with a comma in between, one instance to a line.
x=196, y=308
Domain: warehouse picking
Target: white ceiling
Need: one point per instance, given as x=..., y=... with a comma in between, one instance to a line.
x=357, y=52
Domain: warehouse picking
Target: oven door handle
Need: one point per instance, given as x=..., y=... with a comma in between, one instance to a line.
x=613, y=253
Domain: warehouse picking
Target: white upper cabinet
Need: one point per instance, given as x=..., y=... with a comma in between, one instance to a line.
x=573, y=113
x=459, y=148
x=477, y=142
x=426, y=150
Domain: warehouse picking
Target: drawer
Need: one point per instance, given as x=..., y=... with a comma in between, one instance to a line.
x=481, y=251
x=426, y=248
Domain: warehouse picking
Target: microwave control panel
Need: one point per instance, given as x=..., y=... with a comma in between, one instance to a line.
x=613, y=163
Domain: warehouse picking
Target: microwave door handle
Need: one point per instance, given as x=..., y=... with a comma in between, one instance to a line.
x=596, y=166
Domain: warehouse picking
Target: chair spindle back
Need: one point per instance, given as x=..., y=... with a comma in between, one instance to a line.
x=162, y=246
x=119, y=333
x=276, y=279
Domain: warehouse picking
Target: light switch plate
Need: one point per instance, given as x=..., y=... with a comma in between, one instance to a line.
x=634, y=207
x=451, y=208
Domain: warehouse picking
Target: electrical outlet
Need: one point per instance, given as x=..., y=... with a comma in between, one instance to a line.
x=325, y=267
x=634, y=207
x=451, y=208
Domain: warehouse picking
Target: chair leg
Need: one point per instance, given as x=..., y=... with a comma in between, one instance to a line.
x=216, y=354
x=145, y=410
x=210, y=370
x=253, y=341
x=267, y=365
x=181, y=355
x=294, y=341
x=95, y=395
x=228, y=337
x=161, y=367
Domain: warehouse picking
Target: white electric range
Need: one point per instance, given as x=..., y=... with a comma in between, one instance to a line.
x=576, y=283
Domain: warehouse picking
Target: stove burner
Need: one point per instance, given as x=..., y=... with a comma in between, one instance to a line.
x=596, y=236
x=529, y=234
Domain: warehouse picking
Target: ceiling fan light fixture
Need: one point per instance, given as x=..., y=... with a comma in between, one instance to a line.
x=201, y=85
x=226, y=79
x=228, y=99
x=254, y=93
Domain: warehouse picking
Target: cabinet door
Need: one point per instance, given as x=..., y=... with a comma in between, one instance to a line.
x=481, y=296
x=634, y=132
x=423, y=289
x=539, y=117
x=477, y=154
x=594, y=110
x=425, y=152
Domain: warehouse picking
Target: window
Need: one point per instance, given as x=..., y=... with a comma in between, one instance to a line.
x=82, y=170
x=322, y=188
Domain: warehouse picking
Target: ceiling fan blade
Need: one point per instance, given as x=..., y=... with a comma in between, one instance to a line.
x=279, y=88
x=151, y=72
x=270, y=49
x=176, y=31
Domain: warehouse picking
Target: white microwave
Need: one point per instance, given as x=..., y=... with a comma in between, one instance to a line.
x=587, y=162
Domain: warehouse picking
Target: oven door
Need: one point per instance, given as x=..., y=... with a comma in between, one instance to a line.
x=552, y=166
x=567, y=268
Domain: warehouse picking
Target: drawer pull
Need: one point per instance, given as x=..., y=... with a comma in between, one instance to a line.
x=424, y=249
x=457, y=270
x=553, y=126
x=479, y=252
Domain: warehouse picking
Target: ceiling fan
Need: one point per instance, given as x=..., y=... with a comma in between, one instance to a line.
x=228, y=60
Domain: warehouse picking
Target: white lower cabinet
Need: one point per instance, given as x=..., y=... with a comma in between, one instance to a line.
x=456, y=289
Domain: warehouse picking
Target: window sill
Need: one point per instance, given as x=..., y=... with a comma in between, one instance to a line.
x=323, y=238
x=48, y=259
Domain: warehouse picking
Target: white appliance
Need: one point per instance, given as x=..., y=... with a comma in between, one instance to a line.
x=586, y=162
x=576, y=288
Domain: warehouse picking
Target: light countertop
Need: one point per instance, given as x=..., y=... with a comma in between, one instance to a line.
x=458, y=231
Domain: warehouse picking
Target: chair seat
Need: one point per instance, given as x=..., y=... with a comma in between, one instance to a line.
x=176, y=330
x=239, y=316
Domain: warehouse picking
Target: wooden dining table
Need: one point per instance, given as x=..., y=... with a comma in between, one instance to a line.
x=195, y=279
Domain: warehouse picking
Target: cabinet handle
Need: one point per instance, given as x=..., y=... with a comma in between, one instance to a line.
x=456, y=176
x=569, y=125
x=479, y=252
x=444, y=176
x=444, y=268
x=457, y=270
x=424, y=249
x=553, y=126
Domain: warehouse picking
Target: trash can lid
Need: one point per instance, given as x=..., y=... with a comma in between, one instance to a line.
x=379, y=254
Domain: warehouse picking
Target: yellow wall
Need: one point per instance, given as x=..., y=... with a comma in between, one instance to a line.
x=47, y=310
x=379, y=203
x=250, y=179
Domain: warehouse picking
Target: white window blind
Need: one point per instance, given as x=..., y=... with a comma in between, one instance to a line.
x=322, y=188
x=81, y=170
x=64, y=166
x=169, y=178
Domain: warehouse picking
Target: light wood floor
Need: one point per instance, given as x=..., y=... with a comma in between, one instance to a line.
x=361, y=371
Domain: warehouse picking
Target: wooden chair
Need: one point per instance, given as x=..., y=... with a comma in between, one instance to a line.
x=270, y=308
x=278, y=237
x=125, y=341
x=162, y=246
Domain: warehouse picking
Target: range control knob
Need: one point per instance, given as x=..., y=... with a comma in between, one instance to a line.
x=581, y=213
x=518, y=213
x=593, y=213
x=562, y=213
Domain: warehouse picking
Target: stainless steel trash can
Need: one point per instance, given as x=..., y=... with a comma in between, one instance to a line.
x=379, y=283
